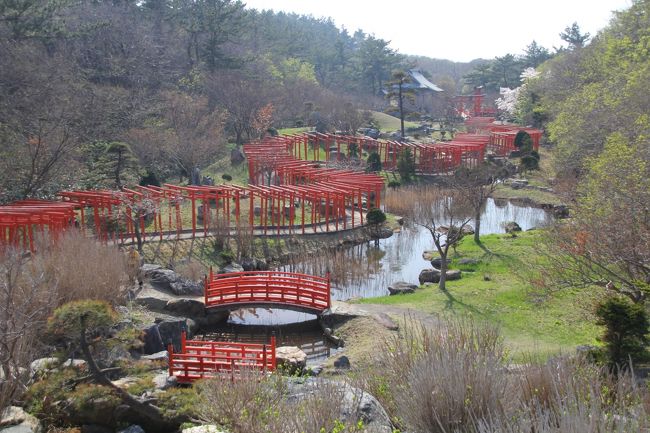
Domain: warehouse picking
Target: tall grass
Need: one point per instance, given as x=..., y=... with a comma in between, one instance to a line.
x=255, y=403
x=454, y=378
x=32, y=286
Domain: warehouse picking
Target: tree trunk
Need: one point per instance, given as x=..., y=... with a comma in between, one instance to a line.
x=443, y=269
x=477, y=226
x=138, y=235
x=148, y=411
x=401, y=110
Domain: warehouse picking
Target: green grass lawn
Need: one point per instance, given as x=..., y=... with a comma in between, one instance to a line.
x=496, y=289
x=386, y=122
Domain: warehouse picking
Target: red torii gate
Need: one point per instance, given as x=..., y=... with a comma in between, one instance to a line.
x=19, y=219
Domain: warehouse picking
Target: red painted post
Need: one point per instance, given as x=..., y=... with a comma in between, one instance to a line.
x=205, y=289
x=183, y=341
x=329, y=292
x=170, y=350
x=273, y=353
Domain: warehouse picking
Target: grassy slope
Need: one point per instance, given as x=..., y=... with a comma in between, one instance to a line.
x=387, y=122
x=556, y=324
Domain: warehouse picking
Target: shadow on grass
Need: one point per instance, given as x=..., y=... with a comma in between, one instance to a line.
x=451, y=303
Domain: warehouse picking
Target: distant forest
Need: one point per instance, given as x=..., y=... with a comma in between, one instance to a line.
x=157, y=87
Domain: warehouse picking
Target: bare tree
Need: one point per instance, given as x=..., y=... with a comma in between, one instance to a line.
x=477, y=185
x=25, y=302
x=442, y=211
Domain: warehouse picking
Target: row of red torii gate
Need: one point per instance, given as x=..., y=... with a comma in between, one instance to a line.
x=290, y=191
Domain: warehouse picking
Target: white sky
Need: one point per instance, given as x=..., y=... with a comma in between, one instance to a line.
x=456, y=29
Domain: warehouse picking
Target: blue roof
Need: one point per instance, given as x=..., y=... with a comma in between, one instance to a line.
x=420, y=81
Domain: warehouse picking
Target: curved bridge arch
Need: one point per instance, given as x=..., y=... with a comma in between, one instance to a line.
x=289, y=290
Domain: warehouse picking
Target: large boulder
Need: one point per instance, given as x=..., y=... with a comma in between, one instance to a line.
x=290, y=359
x=356, y=405
x=429, y=276
x=186, y=307
x=433, y=275
x=230, y=268
x=401, y=287
x=436, y=262
x=170, y=331
x=511, y=227
x=14, y=419
x=166, y=279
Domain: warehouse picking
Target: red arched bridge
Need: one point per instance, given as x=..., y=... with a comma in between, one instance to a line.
x=288, y=290
x=203, y=359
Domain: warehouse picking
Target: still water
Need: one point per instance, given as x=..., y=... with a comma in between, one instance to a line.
x=370, y=269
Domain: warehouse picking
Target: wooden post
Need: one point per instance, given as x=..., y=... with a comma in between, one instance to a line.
x=170, y=350
x=183, y=341
x=329, y=292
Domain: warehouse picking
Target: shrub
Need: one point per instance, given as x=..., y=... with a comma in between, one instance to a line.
x=394, y=184
x=626, y=328
x=406, y=165
x=373, y=162
x=259, y=404
x=375, y=216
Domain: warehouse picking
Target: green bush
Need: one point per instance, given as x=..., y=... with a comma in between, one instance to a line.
x=373, y=162
x=626, y=328
x=394, y=184
x=406, y=165
x=375, y=216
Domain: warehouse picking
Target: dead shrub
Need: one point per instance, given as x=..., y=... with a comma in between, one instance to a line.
x=254, y=403
x=191, y=269
x=85, y=269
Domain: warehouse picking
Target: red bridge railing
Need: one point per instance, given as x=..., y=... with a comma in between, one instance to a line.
x=204, y=359
x=306, y=292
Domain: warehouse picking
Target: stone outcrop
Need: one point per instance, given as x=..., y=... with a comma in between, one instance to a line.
x=401, y=287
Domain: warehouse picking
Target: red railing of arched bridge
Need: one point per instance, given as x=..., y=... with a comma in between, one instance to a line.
x=203, y=359
x=268, y=287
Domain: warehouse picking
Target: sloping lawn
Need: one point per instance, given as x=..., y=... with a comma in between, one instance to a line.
x=496, y=288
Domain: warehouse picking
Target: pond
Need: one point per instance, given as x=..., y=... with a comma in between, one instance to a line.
x=366, y=270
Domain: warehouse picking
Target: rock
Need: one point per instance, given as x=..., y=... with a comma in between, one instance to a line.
x=518, y=184
x=148, y=268
x=342, y=362
x=237, y=156
x=132, y=429
x=186, y=307
x=436, y=262
x=166, y=279
x=203, y=429
x=561, y=211
x=429, y=255
x=359, y=403
x=14, y=419
x=232, y=267
x=429, y=276
x=77, y=363
x=125, y=382
x=43, y=365
x=291, y=358
x=153, y=342
x=356, y=405
x=384, y=320
x=511, y=227
x=170, y=331
x=248, y=264
x=163, y=381
x=401, y=287
x=158, y=356
x=433, y=275
x=261, y=265
x=381, y=232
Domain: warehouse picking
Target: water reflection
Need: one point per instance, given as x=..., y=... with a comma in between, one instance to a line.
x=366, y=270
x=371, y=269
